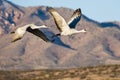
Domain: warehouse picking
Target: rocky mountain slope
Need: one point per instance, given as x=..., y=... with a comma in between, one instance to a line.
x=100, y=45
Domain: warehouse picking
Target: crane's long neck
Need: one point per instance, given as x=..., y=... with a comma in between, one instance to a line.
x=33, y=26
x=73, y=31
x=83, y=30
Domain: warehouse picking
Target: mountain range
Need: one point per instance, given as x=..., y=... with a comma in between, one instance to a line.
x=99, y=46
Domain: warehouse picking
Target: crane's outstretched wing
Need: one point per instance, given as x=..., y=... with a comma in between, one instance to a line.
x=59, y=20
x=38, y=33
x=75, y=18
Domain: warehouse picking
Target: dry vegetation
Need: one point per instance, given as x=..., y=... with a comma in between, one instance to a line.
x=110, y=72
x=100, y=45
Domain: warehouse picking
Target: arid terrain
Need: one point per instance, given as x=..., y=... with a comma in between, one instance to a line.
x=88, y=73
x=99, y=46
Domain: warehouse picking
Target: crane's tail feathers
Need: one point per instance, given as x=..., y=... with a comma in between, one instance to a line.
x=15, y=40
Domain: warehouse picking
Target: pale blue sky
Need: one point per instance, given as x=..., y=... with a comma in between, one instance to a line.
x=99, y=10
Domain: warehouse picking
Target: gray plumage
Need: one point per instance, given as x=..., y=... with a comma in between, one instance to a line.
x=20, y=32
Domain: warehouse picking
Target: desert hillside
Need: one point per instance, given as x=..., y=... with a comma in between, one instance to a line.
x=100, y=45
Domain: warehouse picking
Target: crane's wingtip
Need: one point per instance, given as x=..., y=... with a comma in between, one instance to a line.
x=51, y=9
x=12, y=32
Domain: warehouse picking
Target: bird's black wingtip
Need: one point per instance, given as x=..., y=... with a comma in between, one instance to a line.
x=12, y=32
x=50, y=8
x=78, y=11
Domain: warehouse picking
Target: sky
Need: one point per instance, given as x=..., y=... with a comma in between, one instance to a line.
x=99, y=10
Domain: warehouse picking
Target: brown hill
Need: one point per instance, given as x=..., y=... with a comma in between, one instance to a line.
x=100, y=45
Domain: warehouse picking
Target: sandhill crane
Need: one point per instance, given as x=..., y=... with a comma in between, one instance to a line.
x=64, y=27
x=32, y=28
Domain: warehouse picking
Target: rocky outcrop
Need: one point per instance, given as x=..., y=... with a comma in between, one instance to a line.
x=9, y=16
